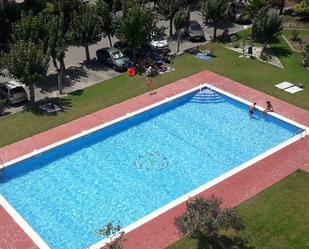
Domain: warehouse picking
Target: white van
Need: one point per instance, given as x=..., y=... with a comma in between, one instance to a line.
x=13, y=91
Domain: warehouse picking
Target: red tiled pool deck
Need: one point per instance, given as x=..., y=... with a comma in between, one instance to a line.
x=161, y=232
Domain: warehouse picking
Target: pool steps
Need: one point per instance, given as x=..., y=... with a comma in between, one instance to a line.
x=205, y=96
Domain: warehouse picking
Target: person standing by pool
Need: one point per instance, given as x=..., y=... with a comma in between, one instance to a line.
x=269, y=107
x=252, y=109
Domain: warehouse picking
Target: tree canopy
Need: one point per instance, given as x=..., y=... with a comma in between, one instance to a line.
x=105, y=14
x=27, y=62
x=135, y=26
x=205, y=218
x=33, y=28
x=266, y=25
x=86, y=27
x=302, y=7
x=181, y=21
x=216, y=10
x=168, y=9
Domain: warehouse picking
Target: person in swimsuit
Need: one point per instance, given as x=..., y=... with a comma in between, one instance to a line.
x=252, y=109
x=269, y=107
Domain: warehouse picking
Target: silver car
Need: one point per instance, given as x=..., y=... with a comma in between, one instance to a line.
x=195, y=32
x=13, y=92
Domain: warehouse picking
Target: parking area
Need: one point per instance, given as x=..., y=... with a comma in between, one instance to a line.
x=80, y=75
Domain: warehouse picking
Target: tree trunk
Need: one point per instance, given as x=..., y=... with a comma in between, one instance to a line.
x=55, y=64
x=133, y=56
x=220, y=243
x=281, y=7
x=110, y=40
x=215, y=31
x=171, y=27
x=87, y=52
x=32, y=95
x=178, y=40
x=61, y=76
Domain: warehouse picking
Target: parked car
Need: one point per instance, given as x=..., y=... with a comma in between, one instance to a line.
x=159, y=42
x=195, y=32
x=13, y=92
x=146, y=53
x=114, y=58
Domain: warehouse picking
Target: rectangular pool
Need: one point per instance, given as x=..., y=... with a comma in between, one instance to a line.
x=130, y=169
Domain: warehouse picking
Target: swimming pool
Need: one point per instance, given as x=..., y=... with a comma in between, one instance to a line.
x=130, y=169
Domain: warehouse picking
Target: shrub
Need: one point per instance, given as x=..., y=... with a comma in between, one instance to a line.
x=236, y=45
x=265, y=55
x=114, y=233
x=295, y=36
x=204, y=218
x=233, y=38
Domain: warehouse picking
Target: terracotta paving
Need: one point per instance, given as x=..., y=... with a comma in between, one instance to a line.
x=12, y=236
x=160, y=232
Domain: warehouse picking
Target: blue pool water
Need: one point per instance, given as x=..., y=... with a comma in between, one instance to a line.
x=130, y=169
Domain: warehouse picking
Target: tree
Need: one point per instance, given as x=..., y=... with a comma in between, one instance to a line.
x=301, y=7
x=135, y=26
x=281, y=7
x=169, y=8
x=114, y=233
x=253, y=6
x=104, y=12
x=32, y=28
x=216, y=10
x=85, y=27
x=34, y=6
x=27, y=62
x=9, y=13
x=59, y=41
x=205, y=218
x=181, y=21
x=266, y=25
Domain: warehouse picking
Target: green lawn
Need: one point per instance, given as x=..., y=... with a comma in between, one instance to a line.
x=249, y=72
x=303, y=35
x=294, y=22
x=277, y=218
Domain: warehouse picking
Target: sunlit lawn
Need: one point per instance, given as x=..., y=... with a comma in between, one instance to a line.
x=302, y=34
x=249, y=72
x=277, y=218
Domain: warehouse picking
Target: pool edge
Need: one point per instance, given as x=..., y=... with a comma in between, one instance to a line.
x=33, y=235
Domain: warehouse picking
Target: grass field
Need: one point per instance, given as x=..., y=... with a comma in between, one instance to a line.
x=294, y=22
x=277, y=218
x=250, y=72
x=303, y=35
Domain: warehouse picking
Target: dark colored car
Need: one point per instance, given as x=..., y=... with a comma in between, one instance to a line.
x=146, y=52
x=195, y=32
x=113, y=58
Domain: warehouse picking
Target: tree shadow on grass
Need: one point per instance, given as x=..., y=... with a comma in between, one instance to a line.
x=62, y=103
x=95, y=65
x=234, y=242
x=72, y=75
x=281, y=52
x=77, y=92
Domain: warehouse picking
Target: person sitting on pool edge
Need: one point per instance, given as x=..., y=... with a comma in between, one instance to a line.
x=252, y=109
x=269, y=107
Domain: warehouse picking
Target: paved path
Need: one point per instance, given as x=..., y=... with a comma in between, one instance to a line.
x=161, y=232
x=79, y=75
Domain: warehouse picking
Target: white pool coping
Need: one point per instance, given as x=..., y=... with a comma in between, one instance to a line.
x=39, y=241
